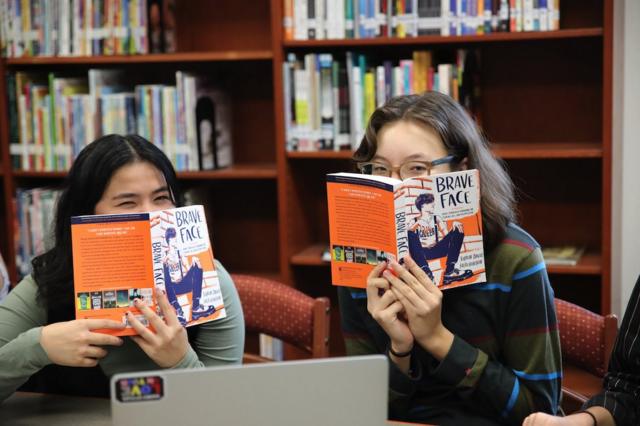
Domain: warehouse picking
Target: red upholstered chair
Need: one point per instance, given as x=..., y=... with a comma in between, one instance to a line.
x=587, y=340
x=283, y=312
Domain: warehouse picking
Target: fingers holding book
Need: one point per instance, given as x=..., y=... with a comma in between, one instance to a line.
x=76, y=344
x=168, y=344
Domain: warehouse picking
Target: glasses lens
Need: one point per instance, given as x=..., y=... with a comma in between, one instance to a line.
x=376, y=169
x=414, y=169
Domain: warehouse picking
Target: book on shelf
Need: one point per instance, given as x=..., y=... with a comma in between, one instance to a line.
x=562, y=255
x=34, y=209
x=328, y=98
x=5, y=283
x=162, y=26
x=120, y=257
x=361, y=19
x=53, y=117
x=435, y=219
x=271, y=347
x=74, y=27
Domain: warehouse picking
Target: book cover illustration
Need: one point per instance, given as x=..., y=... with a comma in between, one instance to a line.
x=436, y=219
x=118, y=258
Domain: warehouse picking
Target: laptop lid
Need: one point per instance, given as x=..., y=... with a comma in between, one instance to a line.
x=328, y=391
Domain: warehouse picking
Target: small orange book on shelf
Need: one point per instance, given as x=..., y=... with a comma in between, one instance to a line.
x=118, y=258
x=436, y=219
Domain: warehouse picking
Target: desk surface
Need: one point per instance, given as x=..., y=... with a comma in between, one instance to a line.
x=24, y=408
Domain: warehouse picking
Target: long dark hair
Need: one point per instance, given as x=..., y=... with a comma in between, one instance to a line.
x=83, y=188
x=463, y=139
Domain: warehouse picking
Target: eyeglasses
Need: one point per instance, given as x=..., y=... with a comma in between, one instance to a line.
x=406, y=170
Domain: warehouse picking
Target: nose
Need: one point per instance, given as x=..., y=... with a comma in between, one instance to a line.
x=147, y=206
x=395, y=174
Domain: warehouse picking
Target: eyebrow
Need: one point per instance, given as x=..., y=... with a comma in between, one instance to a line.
x=133, y=195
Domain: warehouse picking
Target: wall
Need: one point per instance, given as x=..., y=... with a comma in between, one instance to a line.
x=626, y=153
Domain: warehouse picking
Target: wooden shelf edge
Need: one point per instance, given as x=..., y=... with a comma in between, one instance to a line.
x=513, y=150
x=241, y=171
x=435, y=39
x=226, y=55
x=589, y=264
x=346, y=155
x=310, y=256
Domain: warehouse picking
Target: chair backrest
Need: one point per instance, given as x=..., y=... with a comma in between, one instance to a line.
x=280, y=311
x=586, y=338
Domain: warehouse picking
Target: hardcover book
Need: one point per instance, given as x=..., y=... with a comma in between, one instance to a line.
x=436, y=219
x=120, y=257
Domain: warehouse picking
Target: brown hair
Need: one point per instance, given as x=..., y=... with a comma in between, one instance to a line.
x=463, y=139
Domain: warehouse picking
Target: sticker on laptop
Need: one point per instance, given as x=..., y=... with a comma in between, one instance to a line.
x=136, y=389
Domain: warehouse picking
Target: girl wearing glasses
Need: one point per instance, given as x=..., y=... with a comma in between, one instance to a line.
x=482, y=354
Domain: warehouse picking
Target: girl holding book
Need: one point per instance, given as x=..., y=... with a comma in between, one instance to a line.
x=481, y=354
x=114, y=174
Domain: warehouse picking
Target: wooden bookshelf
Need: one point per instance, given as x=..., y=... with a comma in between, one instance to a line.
x=230, y=55
x=545, y=104
x=440, y=40
x=589, y=264
x=238, y=171
x=503, y=150
x=310, y=256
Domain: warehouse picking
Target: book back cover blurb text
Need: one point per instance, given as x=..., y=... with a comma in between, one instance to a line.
x=111, y=260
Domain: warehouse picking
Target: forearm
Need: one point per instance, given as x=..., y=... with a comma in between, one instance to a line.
x=19, y=359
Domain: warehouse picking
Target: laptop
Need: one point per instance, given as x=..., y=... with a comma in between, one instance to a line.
x=328, y=391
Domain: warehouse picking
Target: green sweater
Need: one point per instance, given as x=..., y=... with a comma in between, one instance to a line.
x=21, y=319
x=505, y=362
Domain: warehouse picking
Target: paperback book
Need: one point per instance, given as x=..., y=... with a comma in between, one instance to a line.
x=122, y=257
x=436, y=219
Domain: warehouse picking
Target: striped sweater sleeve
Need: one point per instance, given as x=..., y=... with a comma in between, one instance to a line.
x=621, y=393
x=527, y=378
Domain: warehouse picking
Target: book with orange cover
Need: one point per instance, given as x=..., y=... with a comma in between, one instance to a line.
x=436, y=219
x=120, y=257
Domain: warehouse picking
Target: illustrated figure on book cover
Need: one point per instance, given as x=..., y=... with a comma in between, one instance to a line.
x=430, y=238
x=182, y=278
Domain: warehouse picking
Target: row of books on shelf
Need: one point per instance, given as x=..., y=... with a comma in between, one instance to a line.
x=34, y=210
x=328, y=99
x=86, y=27
x=348, y=19
x=52, y=118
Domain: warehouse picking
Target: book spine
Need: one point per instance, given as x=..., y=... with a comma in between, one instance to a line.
x=400, y=222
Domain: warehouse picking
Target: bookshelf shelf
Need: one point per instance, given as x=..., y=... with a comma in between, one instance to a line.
x=226, y=55
x=238, y=171
x=503, y=150
x=38, y=175
x=589, y=264
x=431, y=40
x=310, y=256
x=319, y=155
x=548, y=150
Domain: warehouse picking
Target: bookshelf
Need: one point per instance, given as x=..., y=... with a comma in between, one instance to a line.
x=546, y=104
x=546, y=107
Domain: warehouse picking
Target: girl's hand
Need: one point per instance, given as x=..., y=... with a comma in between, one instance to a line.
x=169, y=344
x=385, y=310
x=422, y=302
x=74, y=344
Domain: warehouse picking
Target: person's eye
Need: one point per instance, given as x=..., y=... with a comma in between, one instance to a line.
x=379, y=168
x=163, y=198
x=126, y=204
x=417, y=167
